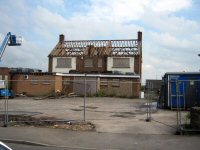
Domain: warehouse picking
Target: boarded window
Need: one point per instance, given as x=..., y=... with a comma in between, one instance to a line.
x=47, y=81
x=34, y=80
x=99, y=62
x=104, y=82
x=64, y=63
x=88, y=62
x=115, y=82
x=121, y=63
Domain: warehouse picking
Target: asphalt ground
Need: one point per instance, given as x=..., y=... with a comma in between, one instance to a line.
x=45, y=138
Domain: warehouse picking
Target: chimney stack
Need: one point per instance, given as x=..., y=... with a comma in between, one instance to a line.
x=61, y=38
x=139, y=36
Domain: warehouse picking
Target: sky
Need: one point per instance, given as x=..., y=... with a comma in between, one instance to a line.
x=171, y=30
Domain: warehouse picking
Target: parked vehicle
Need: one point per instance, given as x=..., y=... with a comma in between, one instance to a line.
x=6, y=93
x=4, y=146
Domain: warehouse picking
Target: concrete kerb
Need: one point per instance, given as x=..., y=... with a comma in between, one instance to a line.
x=45, y=145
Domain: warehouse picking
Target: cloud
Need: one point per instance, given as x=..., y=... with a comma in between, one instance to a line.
x=28, y=55
x=170, y=23
x=118, y=10
x=127, y=10
x=170, y=5
x=54, y=2
x=80, y=26
x=169, y=41
x=43, y=16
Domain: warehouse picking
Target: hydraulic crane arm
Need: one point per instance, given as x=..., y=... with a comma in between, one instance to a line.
x=4, y=44
x=9, y=40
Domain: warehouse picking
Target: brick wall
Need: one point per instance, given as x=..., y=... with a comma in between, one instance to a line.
x=4, y=71
x=58, y=83
x=35, y=85
x=67, y=85
x=50, y=64
x=81, y=61
x=138, y=65
x=125, y=88
x=136, y=87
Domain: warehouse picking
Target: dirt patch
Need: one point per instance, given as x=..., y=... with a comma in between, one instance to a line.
x=81, y=126
x=49, y=122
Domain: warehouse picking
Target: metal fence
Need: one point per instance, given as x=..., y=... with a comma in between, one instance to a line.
x=49, y=100
x=187, y=96
x=180, y=96
x=151, y=101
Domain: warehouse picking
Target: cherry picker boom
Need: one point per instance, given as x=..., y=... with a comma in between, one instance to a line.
x=10, y=40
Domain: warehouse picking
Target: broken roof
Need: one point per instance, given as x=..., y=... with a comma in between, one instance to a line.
x=119, y=48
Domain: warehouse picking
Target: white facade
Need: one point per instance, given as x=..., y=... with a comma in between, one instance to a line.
x=63, y=70
x=2, y=84
x=128, y=69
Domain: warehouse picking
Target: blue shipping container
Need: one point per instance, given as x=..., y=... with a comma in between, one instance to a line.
x=182, y=89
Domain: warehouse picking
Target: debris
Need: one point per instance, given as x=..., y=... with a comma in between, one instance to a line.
x=72, y=95
x=49, y=122
x=55, y=95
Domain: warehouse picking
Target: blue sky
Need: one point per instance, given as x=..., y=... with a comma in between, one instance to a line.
x=171, y=29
